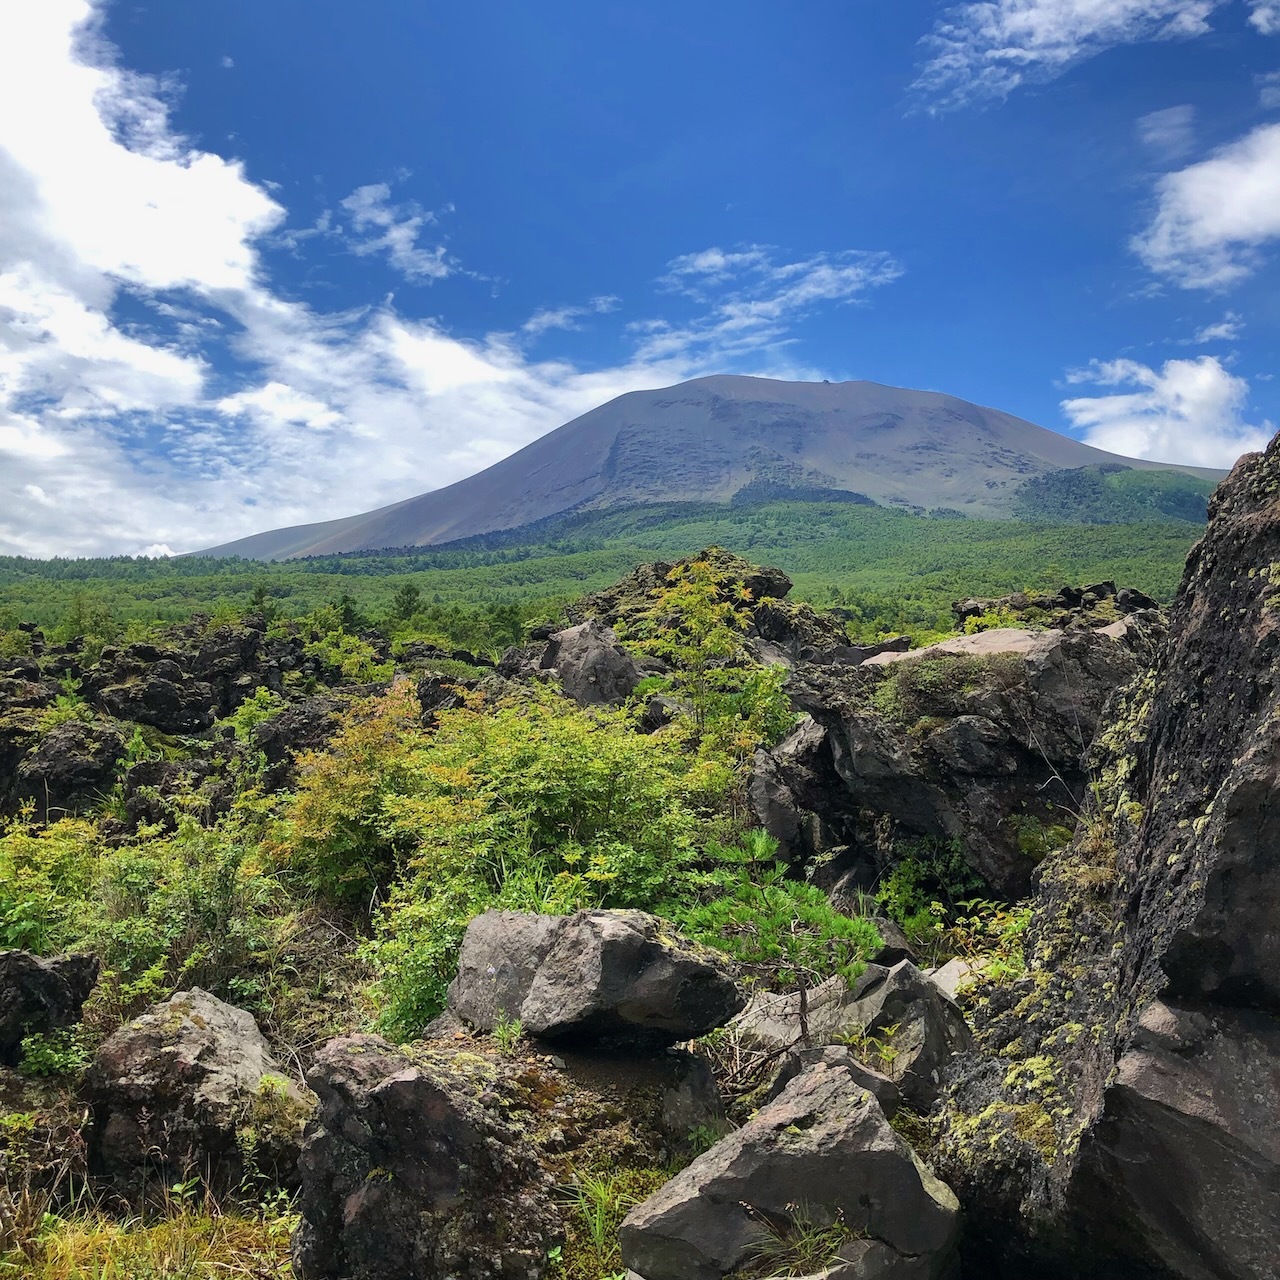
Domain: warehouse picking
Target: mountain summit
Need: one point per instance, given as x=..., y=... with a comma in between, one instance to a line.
x=724, y=437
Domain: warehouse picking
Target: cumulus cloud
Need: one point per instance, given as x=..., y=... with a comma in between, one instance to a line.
x=1213, y=218
x=1188, y=411
x=987, y=50
x=1265, y=16
x=157, y=391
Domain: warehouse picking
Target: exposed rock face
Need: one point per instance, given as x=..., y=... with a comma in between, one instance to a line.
x=70, y=767
x=39, y=995
x=439, y=1160
x=822, y=1151
x=1155, y=1149
x=980, y=742
x=594, y=669
x=616, y=979
x=184, y=1087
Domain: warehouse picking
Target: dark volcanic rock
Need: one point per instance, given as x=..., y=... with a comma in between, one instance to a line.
x=594, y=669
x=177, y=1088
x=38, y=996
x=821, y=1151
x=71, y=767
x=442, y=1158
x=989, y=757
x=1121, y=1122
x=613, y=979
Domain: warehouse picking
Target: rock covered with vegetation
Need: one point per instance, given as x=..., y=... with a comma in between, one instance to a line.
x=191, y=1086
x=38, y=996
x=1119, y=1120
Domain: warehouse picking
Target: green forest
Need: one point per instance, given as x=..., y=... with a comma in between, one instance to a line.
x=891, y=572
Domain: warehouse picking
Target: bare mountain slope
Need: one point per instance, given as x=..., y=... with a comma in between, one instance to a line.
x=708, y=439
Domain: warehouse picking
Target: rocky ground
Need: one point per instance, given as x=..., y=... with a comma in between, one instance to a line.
x=1087, y=1088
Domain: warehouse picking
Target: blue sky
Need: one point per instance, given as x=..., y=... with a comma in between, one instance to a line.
x=270, y=261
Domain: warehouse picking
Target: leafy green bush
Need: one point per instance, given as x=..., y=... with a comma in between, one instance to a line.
x=45, y=875
x=350, y=655
x=785, y=931
x=258, y=709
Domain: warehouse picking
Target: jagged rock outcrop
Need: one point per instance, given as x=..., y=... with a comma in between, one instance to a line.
x=70, y=767
x=614, y=979
x=977, y=741
x=1120, y=1120
x=191, y=1086
x=442, y=1159
x=40, y=995
x=821, y=1153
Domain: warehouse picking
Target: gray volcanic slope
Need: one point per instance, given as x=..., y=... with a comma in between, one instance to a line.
x=703, y=441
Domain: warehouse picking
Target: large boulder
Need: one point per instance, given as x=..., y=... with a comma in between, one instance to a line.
x=191, y=1085
x=443, y=1158
x=593, y=668
x=40, y=995
x=616, y=979
x=820, y=1154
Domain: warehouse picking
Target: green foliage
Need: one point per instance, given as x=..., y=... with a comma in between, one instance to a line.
x=926, y=885
x=353, y=657
x=67, y=706
x=804, y=1245
x=45, y=875
x=507, y=1033
x=1114, y=494
x=54, y=1053
x=893, y=572
x=992, y=619
x=785, y=930
x=697, y=626
x=258, y=709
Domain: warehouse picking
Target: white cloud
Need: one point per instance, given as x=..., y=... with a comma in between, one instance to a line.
x=1228, y=329
x=1170, y=133
x=986, y=50
x=380, y=226
x=753, y=298
x=1266, y=16
x=1189, y=411
x=1212, y=218
x=1268, y=90
x=221, y=408
x=546, y=319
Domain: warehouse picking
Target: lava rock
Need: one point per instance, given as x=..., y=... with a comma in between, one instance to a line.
x=40, y=995
x=615, y=979
x=179, y=1087
x=822, y=1150
x=593, y=668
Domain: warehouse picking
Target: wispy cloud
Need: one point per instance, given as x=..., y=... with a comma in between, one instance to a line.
x=1170, y=133
x=1214, y=217
x=545, y=319
x=753, y=296
x=1268, y=90
x=987, y=50
x=1228, y=329
x=224, y=407
x=379, y=226
x=1188, y=411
